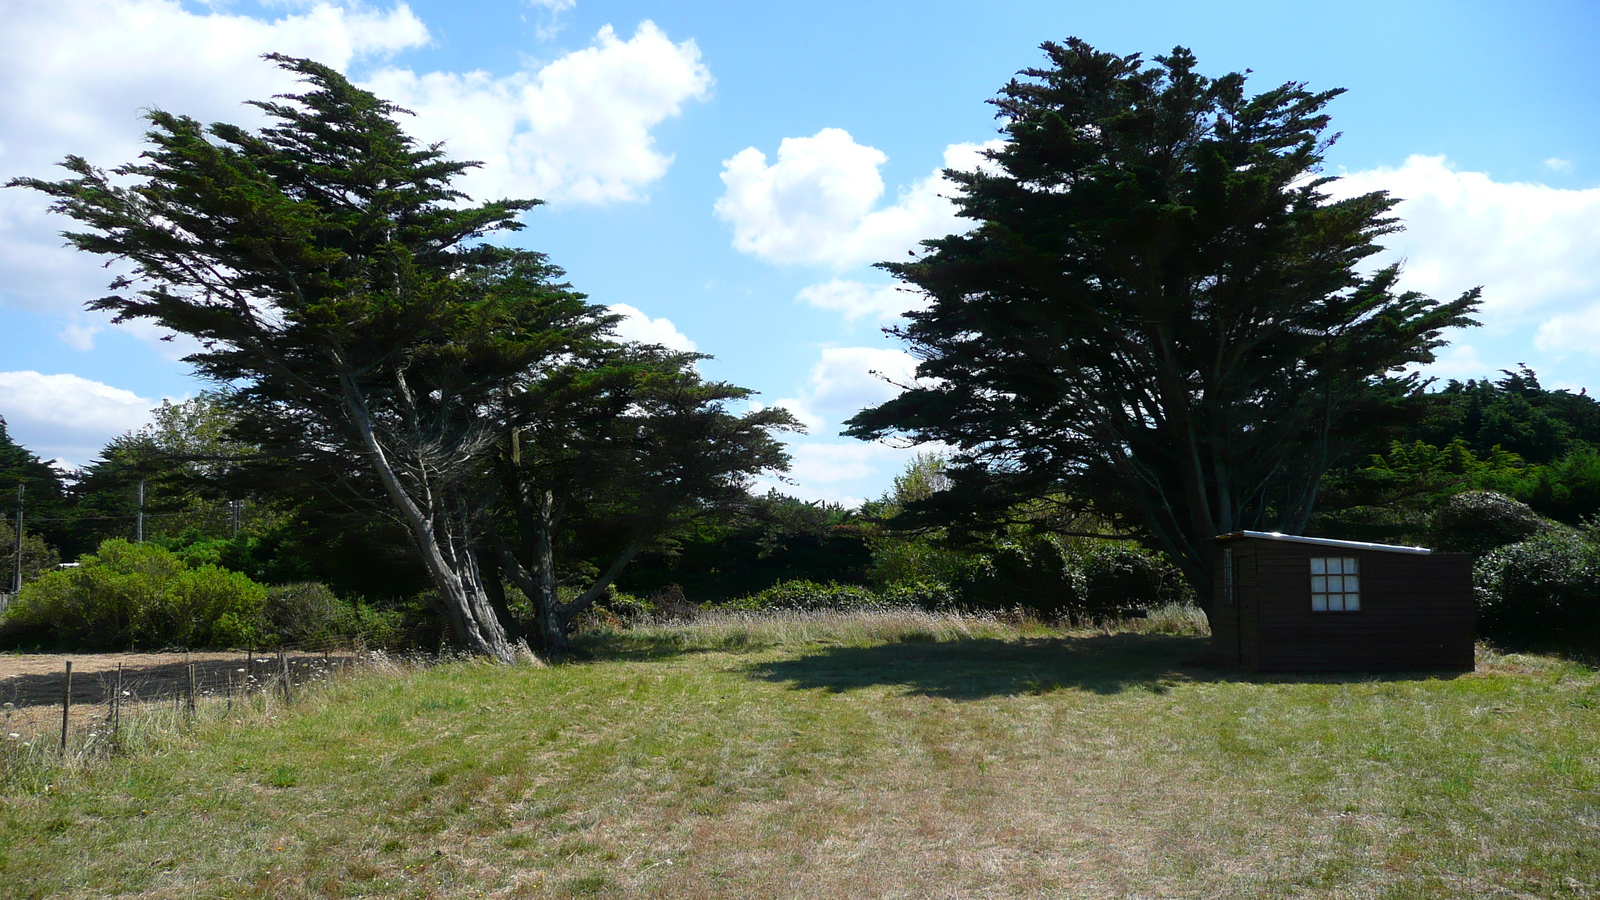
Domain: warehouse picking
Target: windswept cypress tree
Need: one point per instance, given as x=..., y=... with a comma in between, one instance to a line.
x=1159, y=314
x=339, y=283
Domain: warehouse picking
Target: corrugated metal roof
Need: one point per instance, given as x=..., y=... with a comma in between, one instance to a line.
x=1324, y=542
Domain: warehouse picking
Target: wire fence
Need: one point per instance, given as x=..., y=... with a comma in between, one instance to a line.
x=90, y=704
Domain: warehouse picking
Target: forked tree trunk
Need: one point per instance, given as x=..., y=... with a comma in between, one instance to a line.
x=553, y=618
x=448, y=556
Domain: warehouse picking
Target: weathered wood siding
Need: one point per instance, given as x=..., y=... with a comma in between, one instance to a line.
x=1417, y=612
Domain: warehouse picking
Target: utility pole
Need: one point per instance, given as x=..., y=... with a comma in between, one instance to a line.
x=16, y=583
x=139, y=533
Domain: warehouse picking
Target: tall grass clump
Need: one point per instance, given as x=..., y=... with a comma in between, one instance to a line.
x=33, y=758
x=735, y=629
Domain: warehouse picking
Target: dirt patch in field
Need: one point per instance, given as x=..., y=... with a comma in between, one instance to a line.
x=39, y=679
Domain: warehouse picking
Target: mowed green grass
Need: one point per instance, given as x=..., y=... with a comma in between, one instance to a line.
x=876, y=756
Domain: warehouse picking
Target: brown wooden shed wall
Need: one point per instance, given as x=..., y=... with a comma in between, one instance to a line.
x=1417, y=611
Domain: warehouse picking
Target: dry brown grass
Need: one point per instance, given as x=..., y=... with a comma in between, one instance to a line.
x=854, y=757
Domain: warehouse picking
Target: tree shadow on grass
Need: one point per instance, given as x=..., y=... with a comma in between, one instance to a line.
x=986, y=667
x=979, y=668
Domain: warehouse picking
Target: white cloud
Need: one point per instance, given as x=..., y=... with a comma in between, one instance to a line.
x=1571, y=332
x=843, y=381
x=1462, y=362
x=67, y=417
x=801, y=410
x=1557, y=164
x=837, y=473
x=857, y=300
x=815, y=204
x=576, y=130
x=1535, y=249
x=636, y=326
x=77, y=74
x=848, y=379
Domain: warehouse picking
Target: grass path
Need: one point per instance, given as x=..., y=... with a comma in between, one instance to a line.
x=906, y=760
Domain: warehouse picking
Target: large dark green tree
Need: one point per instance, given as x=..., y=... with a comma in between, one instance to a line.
x=1159, y=313
x=373, y=345
x=40, y=496
x=615, y=455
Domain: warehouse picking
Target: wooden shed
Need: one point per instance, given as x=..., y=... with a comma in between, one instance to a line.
x=1285, y=603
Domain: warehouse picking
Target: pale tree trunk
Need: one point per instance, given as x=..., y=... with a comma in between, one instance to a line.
x=445, y=545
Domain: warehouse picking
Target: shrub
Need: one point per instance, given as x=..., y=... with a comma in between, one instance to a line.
x=309, y=612
x=1087, y=578
x=1121, y=577
x=138, y=596
x=802, y=594
x=1477, y=522
x=933, y=596
x=1542, y=592
x=1030, y=573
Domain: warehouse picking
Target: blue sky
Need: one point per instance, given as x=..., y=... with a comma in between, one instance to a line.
x=726, y=173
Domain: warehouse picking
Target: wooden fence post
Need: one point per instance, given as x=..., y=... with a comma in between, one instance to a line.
x=116, y=705
x=66, y=708
x=283, y=666
x=191, y=689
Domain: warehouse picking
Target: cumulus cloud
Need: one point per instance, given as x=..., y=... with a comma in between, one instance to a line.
x=848, y=379
x=860, y=300
x=1571, y=332
x=576, y=130
x=815, y=205
x=1535, y=249
x=79, y=72
x=839, y=473
x=67, y=417
x=636, y=326
x=1557, y=164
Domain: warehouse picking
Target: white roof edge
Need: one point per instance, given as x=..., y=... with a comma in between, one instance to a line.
x=1324, y=542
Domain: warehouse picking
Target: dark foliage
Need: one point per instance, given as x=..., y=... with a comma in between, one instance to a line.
x=1085, y=579
x=43, y=493
x=1514, y=413
x=1542, y=593
x=775, y=538
x=801, y=594
x=1159, y=314
x=1479, y=521
x=1509, y=436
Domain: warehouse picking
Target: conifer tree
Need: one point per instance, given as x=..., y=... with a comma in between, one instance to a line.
x=1160, y=313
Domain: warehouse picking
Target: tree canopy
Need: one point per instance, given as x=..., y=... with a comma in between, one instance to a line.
x=372, y=344
x=1159, y=314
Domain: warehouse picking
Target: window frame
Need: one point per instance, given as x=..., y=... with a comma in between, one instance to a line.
x=1324, y=570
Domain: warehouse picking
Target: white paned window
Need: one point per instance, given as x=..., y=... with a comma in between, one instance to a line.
x=1335, y=584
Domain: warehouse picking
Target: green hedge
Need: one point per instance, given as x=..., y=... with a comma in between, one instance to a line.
x=130, y=595
x=1542, y=593
x=1477, y=522
x=142, y=596
x=810, y=595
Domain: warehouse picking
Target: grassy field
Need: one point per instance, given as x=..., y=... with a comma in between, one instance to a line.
x=885, y=755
